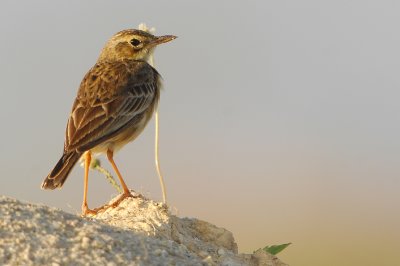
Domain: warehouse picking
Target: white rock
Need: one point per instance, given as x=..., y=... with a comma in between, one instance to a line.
x=139, y=232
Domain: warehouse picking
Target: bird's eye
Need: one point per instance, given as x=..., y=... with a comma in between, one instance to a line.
x=135, y=42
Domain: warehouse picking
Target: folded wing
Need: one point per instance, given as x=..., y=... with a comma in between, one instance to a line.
x=113, y=97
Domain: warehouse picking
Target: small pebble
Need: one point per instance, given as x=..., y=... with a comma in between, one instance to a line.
x=85, y=242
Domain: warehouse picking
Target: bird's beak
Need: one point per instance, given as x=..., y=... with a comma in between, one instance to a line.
x=162, y=39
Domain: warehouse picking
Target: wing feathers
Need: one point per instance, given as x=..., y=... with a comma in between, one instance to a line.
x=114, y=104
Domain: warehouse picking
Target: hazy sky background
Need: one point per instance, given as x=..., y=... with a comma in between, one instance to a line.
x=280, y=120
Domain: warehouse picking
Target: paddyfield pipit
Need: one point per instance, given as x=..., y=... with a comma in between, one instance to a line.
x=115, y=100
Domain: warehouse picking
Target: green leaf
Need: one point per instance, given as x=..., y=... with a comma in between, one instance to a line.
x=275, y=249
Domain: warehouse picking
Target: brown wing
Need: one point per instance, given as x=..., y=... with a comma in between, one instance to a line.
x=112, y=96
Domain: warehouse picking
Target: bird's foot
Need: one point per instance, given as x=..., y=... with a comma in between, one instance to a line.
x=86, y=211
x=126, y=194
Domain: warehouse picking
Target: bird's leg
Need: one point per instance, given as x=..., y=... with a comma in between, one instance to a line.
x=85, y=209
x=110, y=155
x=126, y=192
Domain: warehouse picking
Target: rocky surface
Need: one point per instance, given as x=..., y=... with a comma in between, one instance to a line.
x=137, y=232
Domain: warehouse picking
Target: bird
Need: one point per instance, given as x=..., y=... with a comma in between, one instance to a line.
x=115, y=101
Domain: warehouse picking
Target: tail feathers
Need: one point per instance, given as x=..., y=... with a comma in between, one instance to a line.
x=61, y=171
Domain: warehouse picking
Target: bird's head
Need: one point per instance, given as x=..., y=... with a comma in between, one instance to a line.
x=132, y=44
